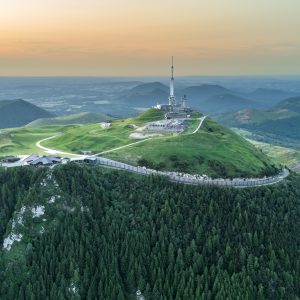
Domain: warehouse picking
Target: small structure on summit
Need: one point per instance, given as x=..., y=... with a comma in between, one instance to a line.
x=170, y=125
x=174, y=110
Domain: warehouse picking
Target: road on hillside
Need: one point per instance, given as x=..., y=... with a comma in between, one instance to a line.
x=56, y=151
x=147, y=139
x=52, y=151
x=200, y=124
x=185, y=178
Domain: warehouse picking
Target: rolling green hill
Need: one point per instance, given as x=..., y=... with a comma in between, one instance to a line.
x=96, y=139
x=22, y=141
x=16, y=113
x=81, y=118
x=214, y=150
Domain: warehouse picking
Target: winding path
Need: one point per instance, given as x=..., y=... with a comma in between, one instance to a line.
x=200, y=124
x=55, y=151
x=52, y=151
x=185, y=178
x=147, y=139
x=125, y=146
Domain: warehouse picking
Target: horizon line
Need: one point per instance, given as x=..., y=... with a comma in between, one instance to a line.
x=149, y=76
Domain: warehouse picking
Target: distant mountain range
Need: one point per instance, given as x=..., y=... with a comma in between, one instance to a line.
x=209, y=98
x=203, y=92
x=292, y=104
x=16, y=113
x=286, y=109
x=269, y=96
x=226, y=103
x=149, y=87
x=282, y=122
x=145, y=95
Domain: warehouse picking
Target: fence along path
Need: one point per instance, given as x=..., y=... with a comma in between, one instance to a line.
x=189, y=179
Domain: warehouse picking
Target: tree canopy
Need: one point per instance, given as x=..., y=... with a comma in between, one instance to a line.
x=111, y=233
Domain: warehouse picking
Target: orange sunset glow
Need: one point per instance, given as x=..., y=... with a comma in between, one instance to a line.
x=131, y=37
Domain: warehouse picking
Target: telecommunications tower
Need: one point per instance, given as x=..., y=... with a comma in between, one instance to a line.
x=172, y=97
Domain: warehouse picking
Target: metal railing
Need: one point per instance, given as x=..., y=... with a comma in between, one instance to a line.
x=189, y=179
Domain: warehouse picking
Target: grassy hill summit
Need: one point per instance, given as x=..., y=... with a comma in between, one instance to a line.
x=16, y=113
x=211, y=149
x=194, y=145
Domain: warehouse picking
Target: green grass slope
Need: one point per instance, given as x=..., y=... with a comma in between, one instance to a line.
x=214, y=150
x=81, y=118
x=96, y=139
x=22, y=141
x=150, y=115
x=281, y=155
x=74, y=138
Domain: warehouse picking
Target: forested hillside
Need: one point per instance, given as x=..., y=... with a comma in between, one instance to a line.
x=105, y=233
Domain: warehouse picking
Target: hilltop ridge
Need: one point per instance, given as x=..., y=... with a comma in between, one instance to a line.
x=195, y=145
x=213, y=149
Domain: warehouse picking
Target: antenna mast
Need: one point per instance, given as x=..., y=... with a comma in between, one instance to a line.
x=172, y=97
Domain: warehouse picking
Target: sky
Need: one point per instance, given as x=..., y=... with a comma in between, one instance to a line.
x=138, y=37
